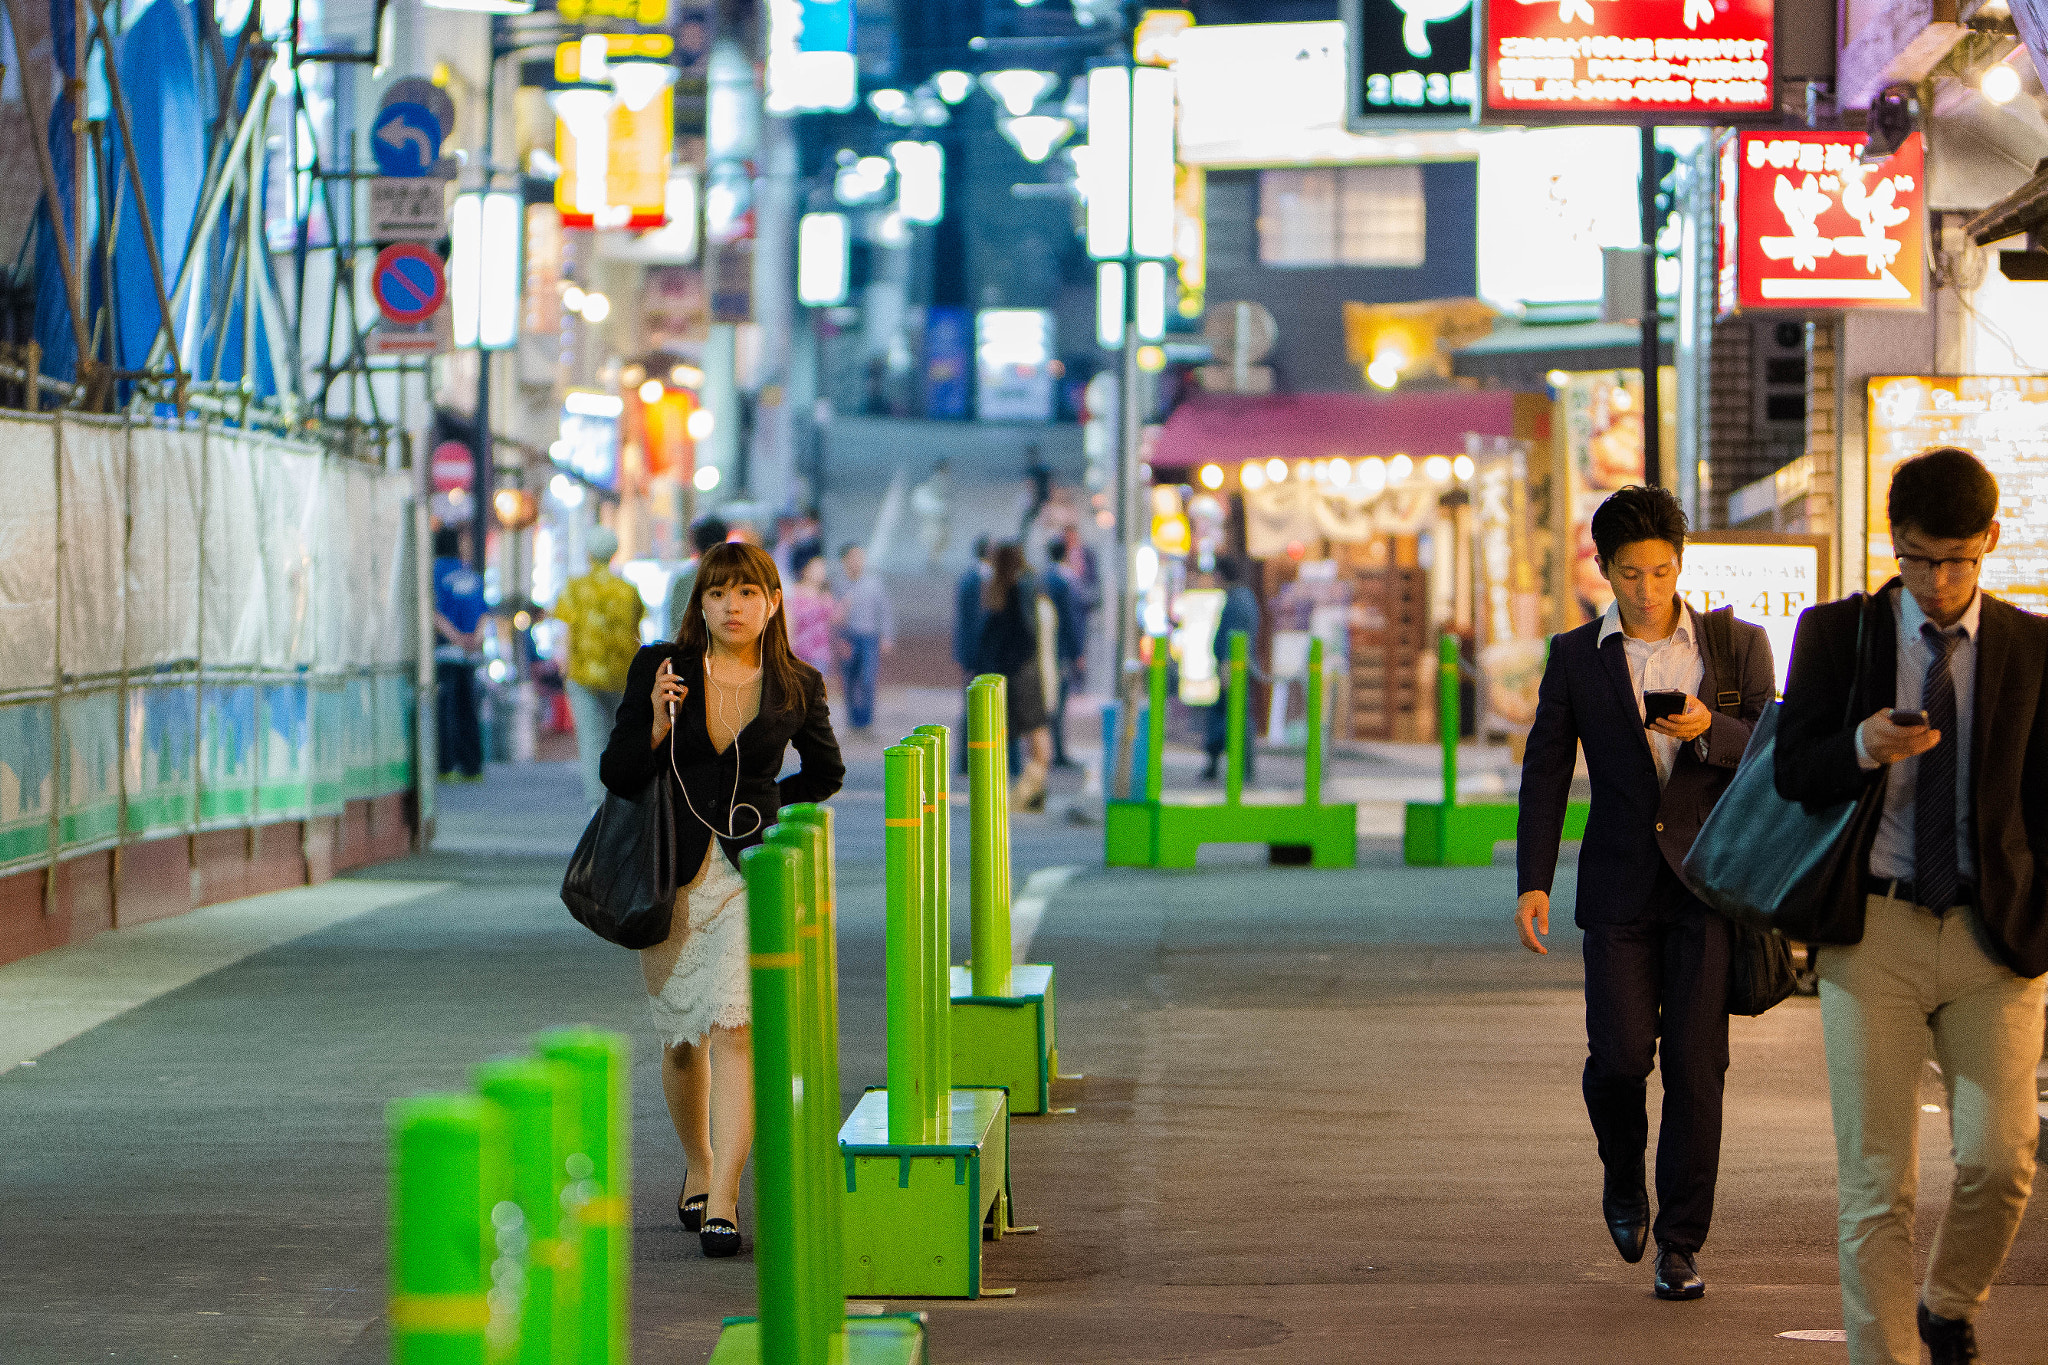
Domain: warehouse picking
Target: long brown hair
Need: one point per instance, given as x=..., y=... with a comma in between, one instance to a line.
x=1006, y=568
x=722, y=566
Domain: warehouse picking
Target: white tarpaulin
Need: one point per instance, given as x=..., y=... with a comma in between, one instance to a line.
x=28, y=555
x=95, y=461
x=163, y=547
x=232, y=610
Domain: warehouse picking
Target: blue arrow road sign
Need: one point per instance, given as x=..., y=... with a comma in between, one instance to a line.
x=406, y=139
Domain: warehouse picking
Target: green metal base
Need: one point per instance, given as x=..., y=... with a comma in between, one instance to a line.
x=1158, y=834
x=1007, y=1040
x=897, y=1339
x=1436, y=835
x=915, y=1212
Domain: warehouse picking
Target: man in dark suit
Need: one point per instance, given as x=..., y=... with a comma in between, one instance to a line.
x=1656, y=957
x=1955, y=919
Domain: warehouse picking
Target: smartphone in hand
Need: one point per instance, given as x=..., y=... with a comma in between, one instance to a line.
x=1910, y=720
x=1662, y=705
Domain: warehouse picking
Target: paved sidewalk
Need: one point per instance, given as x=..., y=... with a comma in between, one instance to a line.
x=1329, y=1116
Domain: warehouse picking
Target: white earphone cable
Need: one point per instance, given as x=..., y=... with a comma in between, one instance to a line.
x=735, y=805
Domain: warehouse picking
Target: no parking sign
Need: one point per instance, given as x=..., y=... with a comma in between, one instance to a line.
x=409, y=282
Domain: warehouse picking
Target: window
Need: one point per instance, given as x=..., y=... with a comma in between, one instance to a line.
x=1345, y=215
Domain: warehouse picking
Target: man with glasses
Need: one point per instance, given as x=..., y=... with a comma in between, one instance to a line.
x=1955, y=937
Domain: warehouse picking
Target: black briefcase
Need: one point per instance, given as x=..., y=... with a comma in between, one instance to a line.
x=621, y=882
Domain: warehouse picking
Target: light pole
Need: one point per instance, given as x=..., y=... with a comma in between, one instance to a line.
x=1130, y=236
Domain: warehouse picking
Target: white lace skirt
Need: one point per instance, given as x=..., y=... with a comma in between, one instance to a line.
x=697, y=978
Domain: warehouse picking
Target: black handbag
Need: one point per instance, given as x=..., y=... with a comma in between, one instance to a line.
x=621, y=882
x=1774, y=864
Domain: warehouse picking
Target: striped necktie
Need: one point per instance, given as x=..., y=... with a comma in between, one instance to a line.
x=1935, y=875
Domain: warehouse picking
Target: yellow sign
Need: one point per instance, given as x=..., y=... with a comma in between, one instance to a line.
x=653, y=13
x=638, y=145
x=1158, y=30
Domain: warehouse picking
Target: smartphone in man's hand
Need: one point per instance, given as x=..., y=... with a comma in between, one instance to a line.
x=1662, y=705
x=1909, y=720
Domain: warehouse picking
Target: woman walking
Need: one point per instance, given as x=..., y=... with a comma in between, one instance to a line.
x=1009, y=646
x=715, y=710
x=812, y=612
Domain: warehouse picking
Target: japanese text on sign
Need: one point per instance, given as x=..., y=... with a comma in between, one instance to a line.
x=1804, y=223
x=1650, y=56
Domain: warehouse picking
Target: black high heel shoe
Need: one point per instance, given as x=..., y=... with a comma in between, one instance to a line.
x=691, y=1211
x=719, y=1237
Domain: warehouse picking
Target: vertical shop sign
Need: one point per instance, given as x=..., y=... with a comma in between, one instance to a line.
x=948, y=352
x=1603, y=442
x=1507, y=619
x=2001, y=420
x=1805, y=224
x=1667, y=60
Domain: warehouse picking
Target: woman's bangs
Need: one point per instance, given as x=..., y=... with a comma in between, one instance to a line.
x=726, y=565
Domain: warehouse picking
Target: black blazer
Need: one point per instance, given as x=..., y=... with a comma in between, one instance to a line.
x=2008, y=750
x=1587, y=698
x=629, y=763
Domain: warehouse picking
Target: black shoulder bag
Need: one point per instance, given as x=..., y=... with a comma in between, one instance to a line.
x=1760, y=968
x=621, y=882
x=1770, y=864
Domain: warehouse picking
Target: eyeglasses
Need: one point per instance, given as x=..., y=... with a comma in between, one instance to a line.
x=1922, y=564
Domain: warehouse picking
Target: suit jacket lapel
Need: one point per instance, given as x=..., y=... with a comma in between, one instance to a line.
x=1993, y=645
x=1614, y=658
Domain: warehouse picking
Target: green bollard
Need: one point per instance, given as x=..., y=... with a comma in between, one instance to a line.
x=1312, y=775
x=912, y=1106
x=1449, y=722
x=1234, y=736
x=600, y=1199
x=938, y=907
x=791, y=1327
x=988, y=790
x=815, y=1044
x=537, y=1101
x=1155, y=724
x=448, y=1181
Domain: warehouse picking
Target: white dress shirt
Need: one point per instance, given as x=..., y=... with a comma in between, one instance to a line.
x=1670, y=664
x=1892, y=855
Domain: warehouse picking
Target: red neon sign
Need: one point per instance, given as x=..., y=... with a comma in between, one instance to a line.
x=1688, y=59
x=1805, y=225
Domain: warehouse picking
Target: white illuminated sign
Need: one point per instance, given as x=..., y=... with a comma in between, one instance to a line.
x=1549, y=200
x=821, y=260
x=1768, y=585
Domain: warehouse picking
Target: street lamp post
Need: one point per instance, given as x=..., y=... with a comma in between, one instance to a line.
x=1130, y=235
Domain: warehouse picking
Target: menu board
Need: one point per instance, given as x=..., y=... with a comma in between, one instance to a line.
x=2003, y=422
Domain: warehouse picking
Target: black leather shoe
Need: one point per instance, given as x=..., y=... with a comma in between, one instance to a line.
x=691, y=1211
x=1951, y=1341
x=719, y=1237
x=1628, y=1221
x=1677, y=1276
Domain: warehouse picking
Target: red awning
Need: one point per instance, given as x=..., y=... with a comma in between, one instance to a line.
x=1229, y=428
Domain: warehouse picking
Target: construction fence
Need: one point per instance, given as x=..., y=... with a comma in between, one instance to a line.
x=201, y=628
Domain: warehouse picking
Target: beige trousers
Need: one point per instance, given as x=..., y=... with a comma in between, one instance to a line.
x=1917, y=980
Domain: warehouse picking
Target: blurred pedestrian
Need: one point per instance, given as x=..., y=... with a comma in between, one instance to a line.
x=707, y=532
x=867, y=630
x=1240, y=612
x=1038, y=481
x=730, y=672
x=1955, y=919
x=1656, y=974
x=1071, y=642
x=1009, y=645
x=458, y=649
x=811, y=609
x=932, y=500
x=602, y=612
